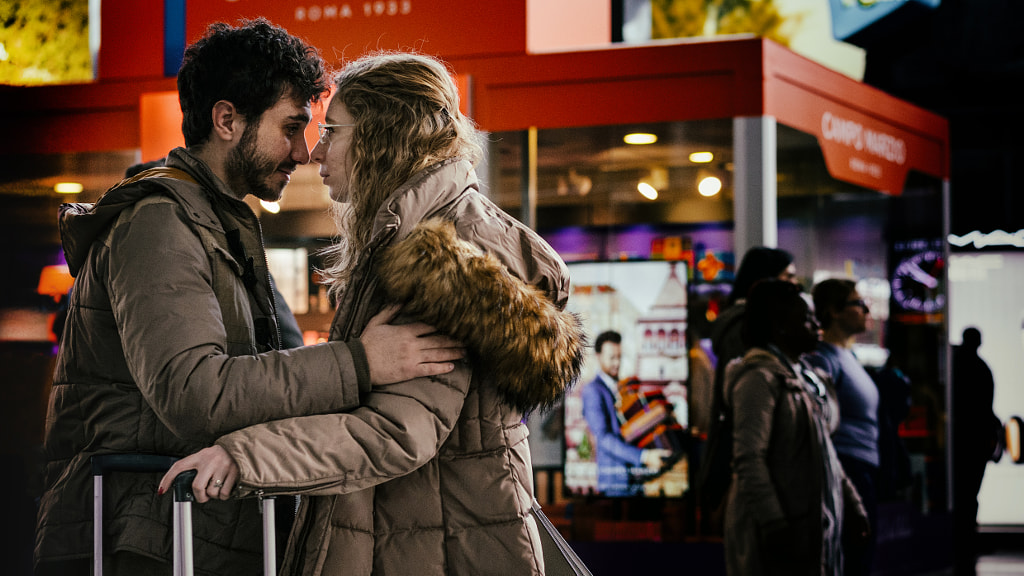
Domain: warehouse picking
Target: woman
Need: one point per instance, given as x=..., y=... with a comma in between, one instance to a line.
x=429, y=475
x=759, y=263
x=788, y=495
x=843, y=314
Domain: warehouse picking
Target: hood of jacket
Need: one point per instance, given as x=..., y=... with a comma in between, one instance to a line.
x=532, y=349
x=81, y=224
x=753, y=359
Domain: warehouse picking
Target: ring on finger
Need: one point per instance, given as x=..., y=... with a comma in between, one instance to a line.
x=218, y=483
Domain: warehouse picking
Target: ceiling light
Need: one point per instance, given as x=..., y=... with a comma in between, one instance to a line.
x=67, y=188
x=709, y=186
x=272, y=207
x=640, y=138
x=647, y=191
x=701, y=157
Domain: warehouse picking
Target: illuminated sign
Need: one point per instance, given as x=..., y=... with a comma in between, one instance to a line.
x=984, y=240
x=856, y=21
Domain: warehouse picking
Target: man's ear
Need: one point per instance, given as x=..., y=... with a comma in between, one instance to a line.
x=228, y=124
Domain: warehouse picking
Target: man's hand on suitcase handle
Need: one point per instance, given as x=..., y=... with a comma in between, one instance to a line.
x=216, y=474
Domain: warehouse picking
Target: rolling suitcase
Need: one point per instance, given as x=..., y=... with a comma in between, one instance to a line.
x=182, y=491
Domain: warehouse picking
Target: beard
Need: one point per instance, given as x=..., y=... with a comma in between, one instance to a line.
x=249, y=169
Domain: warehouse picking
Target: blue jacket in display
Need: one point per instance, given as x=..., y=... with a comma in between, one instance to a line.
x=615, y=456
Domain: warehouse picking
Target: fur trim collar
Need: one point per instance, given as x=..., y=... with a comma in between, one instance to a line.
x=531, y=349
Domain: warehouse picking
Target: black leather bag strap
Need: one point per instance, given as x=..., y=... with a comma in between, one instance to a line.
x=559, y=557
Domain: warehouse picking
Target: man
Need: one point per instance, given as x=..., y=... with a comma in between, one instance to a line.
x=976, y=431
x=171, y=336
x=601, y=409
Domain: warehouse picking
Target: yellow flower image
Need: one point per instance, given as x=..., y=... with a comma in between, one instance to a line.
x=44, y=42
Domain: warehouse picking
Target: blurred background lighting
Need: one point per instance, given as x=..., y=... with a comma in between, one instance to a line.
x=701, y=157
x=647, y=191
x=67, y=188
x=640, y=138
x=709, y=186
x=272, y=207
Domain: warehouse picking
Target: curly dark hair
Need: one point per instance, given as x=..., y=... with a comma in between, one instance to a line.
x=251, y=66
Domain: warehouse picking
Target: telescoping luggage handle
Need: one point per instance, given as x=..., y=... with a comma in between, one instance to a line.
x=183, y=498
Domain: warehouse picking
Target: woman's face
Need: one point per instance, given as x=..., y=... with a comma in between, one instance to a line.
x=800, y=331
x=789, y=274
x=333, y=151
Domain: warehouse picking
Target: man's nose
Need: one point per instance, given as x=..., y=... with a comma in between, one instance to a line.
x=300, y=151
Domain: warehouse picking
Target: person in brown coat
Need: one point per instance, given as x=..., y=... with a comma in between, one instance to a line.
x=430, y=476
x=788, y=499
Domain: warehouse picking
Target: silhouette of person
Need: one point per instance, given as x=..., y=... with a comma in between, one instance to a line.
x=975, y=434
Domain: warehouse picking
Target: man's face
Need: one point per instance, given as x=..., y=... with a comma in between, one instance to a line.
x=270, y=148
x=852, y=318
x=609, y=358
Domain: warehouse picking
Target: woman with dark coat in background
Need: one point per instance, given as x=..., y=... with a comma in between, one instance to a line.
x=759, y=263
x=788, y=497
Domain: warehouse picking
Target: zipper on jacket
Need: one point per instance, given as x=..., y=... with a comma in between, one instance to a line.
x=300, y=548
x=360, y=293
x=270, y=282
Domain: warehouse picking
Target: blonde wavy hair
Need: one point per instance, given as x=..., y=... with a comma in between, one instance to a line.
x=405, y=107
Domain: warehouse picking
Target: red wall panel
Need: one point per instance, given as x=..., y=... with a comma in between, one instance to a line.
x=347, y=29
x=131, y=39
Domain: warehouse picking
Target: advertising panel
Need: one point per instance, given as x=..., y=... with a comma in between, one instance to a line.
x=632, y=396
x=984, y=291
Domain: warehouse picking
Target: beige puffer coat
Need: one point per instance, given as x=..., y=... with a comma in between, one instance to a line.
x=431, y=476
x=149, y=363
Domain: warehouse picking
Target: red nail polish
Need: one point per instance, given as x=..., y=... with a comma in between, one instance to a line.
x=160, y=491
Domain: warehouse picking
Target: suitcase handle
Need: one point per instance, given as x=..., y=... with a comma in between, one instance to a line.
x=103, y=463
x=183, y=498
x=182, y=486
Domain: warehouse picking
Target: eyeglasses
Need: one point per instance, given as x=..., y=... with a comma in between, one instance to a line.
x=325, y=131
x=859, y=303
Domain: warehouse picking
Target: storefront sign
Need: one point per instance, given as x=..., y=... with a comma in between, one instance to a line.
x=860, y=153
x=346, y=29
x=858, y=146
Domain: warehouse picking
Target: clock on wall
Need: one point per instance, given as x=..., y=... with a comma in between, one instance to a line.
x=917, y=282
